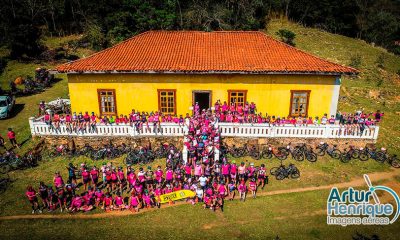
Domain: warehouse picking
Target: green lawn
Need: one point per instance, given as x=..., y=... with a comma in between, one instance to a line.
x=262, y=218
x=356, y=93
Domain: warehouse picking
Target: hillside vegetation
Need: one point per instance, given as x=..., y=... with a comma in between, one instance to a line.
x=375, y=88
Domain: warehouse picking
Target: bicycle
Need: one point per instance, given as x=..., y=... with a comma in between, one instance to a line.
x=251, y=151
x=268, y=152
x=323, y=149
x=303, y=151
x=283, y=172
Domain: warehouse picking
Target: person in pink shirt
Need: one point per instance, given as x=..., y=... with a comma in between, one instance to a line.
x=134, y=203
x=121, y=179
x=222, y=190
x=159, y=173
x=31, y=195
x=119, y=202
x=225, y=171
x=58, y=180
x=198, y=170
x=157, y=193
x=147, y=200
x=242, y=171
x=253, y=187
x=242, y=189
x=169, y=175
x=188, y=171
x=85, y=178
x=76, y=203
x=99, y=196
x=233, y=171
x=131, y=177
x=108, y=202
x=94, y=175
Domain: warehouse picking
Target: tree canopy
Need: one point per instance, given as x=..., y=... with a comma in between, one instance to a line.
x=106, y=22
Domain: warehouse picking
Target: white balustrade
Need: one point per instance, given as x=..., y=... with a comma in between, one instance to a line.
x=39, y=128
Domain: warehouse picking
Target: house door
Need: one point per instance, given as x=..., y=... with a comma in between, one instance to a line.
x=203, y=98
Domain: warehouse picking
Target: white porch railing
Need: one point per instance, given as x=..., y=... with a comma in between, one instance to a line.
x=310, y=131
x=39, y=128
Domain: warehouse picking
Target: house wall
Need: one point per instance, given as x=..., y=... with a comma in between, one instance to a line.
x=271, y=93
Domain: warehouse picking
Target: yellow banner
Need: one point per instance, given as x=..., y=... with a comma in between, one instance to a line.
x=173, y=196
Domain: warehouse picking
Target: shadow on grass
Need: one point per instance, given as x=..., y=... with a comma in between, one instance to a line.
x=18, y=107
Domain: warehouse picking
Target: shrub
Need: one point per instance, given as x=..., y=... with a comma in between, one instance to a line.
x=3, y=64
x=286, y=36
x=355, y=61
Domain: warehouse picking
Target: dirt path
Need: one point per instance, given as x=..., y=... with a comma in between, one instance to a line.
x=354, y=183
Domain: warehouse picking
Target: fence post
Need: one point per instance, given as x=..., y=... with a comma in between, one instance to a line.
x=376, y=131
x=31, y=122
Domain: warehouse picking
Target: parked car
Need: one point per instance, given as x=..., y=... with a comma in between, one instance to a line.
x=6, y=105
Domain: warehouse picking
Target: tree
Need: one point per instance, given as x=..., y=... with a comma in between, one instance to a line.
x=287, y=36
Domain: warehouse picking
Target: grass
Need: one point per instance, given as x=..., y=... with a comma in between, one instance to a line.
x=312, y=174
x=261, y=218
x=289, y=216
x=363, y=91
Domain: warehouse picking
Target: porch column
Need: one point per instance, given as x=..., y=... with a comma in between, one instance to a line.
x=335, y=96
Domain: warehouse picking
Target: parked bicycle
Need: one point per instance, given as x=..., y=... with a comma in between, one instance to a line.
x=323, y=148
x=139, y=156
x=283, y=172
x=302, y=152
x=270, y=151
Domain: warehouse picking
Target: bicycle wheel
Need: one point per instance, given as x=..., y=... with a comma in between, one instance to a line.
x=273, y=170
x=295, y=174
x=298, y=156
x=4, y=168
x=320, y=151
x=395, y=163
x=363, y=156
x=335, y=154
x=345, y=158
x=355, y=154
x=311, y=157
x=266, y=155
x=380, y=157
x=255, y=155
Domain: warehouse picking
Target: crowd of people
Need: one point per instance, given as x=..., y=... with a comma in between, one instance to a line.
x=222, y=112
x=115, y=188
x=212, y=177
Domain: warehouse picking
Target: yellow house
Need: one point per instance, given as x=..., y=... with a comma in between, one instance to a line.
x=169, y=71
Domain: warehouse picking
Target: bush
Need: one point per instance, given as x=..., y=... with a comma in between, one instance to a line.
x=380, y=61
x=355, y=61
x=95, y=36
x=3, y=64
x=286, y=36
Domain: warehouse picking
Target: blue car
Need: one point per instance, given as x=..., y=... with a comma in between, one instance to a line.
x=6, y=105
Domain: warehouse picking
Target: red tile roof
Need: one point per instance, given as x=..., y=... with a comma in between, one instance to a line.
x=204, y=52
